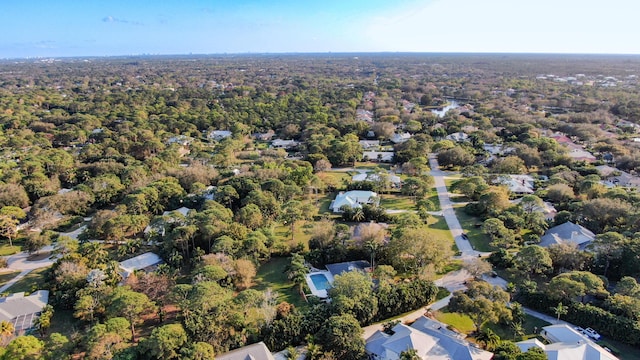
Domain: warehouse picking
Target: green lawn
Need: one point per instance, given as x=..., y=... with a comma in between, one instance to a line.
x=300, y=233
x=64, y=323
x=623, y=351
x=325, y=202
x=460, y=322
x=433, y=197
x=464, y=324
x=272, y=275
x=532, y=326
x=4, y=277
x=397, y=202
x=472, y=226
x=35, y=280
x=372, y=165
x=5, y=249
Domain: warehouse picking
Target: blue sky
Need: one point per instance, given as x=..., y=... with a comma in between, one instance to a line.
x=116, y=27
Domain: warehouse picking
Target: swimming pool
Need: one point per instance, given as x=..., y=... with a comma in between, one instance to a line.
x=320, y=281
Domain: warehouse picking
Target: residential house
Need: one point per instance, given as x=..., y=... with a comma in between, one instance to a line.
x=22, y=311
x=218, y=135
x=394, y=180
x=145, y=262
x=547, y=209
x=370, y=144
x=343, y=267
x=497, y=149
x=257, y=351
x=354, y=199
x=399, y=138
x=264, y=136
x=457, y=137
x=568, y=232
x=430, y=339
x=615, y=177
x=284, y=144
x=566, y=344
x=382, y=156
x=181, y=140
x=518, y=184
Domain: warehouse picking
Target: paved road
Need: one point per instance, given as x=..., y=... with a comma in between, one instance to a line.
x=447, y=210
x=9, y=283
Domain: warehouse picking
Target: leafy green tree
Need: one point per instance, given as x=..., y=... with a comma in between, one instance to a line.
x=500, y=236
x=533, y=260
x=26, y=347
x=198, y=351
x=131, y=305
x=58, y=346
x=343, y=335
x=483, y=302
x=352, y=292
x=414, y=248
x=608, y=247
x=165, y=342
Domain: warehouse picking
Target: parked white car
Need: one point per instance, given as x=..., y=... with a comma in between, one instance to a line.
x=592, y=333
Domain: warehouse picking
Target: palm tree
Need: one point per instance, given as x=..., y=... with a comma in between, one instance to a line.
x=297, y=271
x=488, y=338
x=6, y=331
x=560, y=310
x=358, y=214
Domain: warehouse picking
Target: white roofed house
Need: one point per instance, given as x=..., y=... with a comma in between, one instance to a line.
x=21, y=310
x=394, y=180
x=284, y=144
x=431, y=340
x=353, y=199
x=145, y=262
x=518, y=184
x=399, y=138
x=566, y=343
x=383, y=156
x=457, y=137
x=219, y=134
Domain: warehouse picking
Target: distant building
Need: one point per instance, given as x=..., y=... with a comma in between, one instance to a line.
x=146, y=262
x=218, y=135
x=257, y=351
x=399, y=138
x=22, y=311
x=518, y=184
x=382, y=156
x=264, y=136
x=284, y=144
x=353, y=199
x=370, y=144
x=457, y=137
x=393, y=179
x=568, y=233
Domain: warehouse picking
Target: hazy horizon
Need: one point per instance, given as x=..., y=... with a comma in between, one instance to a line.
x=66, y=28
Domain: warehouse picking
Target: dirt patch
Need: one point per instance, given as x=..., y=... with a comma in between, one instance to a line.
x=39, y=256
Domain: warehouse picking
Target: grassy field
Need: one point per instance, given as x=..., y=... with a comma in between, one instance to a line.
x=272, y=275
x=464, y=324
x=460, y=322
x=396, y=202
x=469, y=223
x=35, y=280
x=4, y=277
x=5, y=249
x=300, y=234
x=372, y=165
